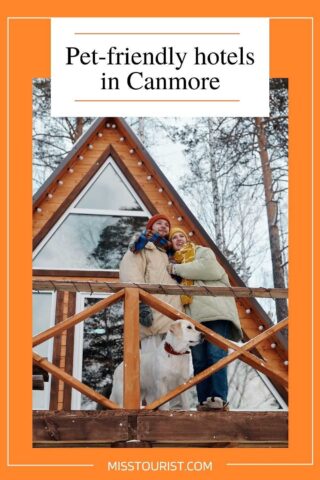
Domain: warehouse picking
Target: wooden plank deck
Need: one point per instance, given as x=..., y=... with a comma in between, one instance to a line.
x=143, y=429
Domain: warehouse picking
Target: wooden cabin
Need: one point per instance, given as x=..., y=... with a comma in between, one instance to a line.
x=83, y=217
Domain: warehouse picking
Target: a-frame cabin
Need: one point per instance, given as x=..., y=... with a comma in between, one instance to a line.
x=83, y=217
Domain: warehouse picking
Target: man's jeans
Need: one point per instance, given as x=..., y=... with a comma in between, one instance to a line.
x=206, y=354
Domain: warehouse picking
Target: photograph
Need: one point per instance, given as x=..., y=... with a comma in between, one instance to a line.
x=137, y=224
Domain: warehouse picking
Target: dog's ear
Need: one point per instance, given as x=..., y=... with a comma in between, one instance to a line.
x=175, y=327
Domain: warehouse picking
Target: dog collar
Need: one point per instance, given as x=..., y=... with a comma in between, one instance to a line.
x=168, y=348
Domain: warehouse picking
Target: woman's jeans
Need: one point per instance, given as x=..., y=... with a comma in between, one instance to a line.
x=206, y=354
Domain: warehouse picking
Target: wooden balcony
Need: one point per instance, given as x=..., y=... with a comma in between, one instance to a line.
x=136, y=426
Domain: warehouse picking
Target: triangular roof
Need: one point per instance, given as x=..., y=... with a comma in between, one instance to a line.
x=113, y=136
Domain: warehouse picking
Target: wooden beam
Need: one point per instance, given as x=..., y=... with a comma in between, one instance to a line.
x=79, y=317
x=80, y=425
x=131, y=354
x=99, y=286
x=67, y=393
x=175, y=428
x=214, y=427
x=73, y=382
x=93, y=274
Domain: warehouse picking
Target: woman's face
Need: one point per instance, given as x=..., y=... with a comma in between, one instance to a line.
x=178, y=240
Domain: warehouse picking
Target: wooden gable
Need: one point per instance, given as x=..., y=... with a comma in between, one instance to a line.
x=112, y=136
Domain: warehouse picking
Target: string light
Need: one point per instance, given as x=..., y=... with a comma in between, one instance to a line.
x=114, y=125
x=248, y=311
x=80, y=157
x=131, y=151
x=139, y=163
x=170, y=203
x=273, y=345
x=149, y=177
x=190, y=234
x=49, y=195
x=121, y=139
x=39, y=210
x=70, y=170
x=179, y=219
x=108, y=125
x=286, y=363
x=60, y=182
x=90, y=146
x=100, y=134
x=261, y=327
x=160, y=190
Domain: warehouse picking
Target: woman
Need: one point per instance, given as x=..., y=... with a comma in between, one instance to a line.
x=198, y=265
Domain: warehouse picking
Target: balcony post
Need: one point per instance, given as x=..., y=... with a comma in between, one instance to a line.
x=131, y=360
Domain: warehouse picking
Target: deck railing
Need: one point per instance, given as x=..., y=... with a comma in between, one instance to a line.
x=132, y=295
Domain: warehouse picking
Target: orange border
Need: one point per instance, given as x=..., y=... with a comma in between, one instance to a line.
x=29, y=57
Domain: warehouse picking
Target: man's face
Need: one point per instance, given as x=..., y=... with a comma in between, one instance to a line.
x=161, y=227
x=178, y=240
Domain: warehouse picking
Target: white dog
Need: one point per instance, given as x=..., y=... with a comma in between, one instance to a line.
x=165, y=368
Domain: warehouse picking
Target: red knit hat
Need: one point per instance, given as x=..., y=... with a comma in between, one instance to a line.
x=156, y=217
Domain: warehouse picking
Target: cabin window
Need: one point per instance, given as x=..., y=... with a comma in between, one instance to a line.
x=43, y=317
x=98, y=349
x=109, y=192
x=94, y=232
x=89, y=242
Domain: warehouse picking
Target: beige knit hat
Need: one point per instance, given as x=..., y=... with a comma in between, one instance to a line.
x=175, y=230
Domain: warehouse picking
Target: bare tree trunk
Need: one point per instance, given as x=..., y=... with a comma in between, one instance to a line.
x=243, y=249
x=272, y=214
x=79, y=128
x=141, y=129
x=219, y=240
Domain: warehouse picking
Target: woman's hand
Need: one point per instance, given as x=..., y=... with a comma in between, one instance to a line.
x=170, y=268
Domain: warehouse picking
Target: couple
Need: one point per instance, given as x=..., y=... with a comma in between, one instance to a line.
x=165, y=255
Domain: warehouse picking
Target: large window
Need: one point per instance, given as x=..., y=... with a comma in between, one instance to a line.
x=95, y=231
x=98, y=349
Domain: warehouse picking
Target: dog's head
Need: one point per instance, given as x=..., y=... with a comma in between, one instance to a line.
x=183, y=335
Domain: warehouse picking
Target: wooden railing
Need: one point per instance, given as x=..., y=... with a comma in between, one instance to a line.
x=132, y=295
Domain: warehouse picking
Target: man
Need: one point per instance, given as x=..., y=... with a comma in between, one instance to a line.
x=146, y=262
